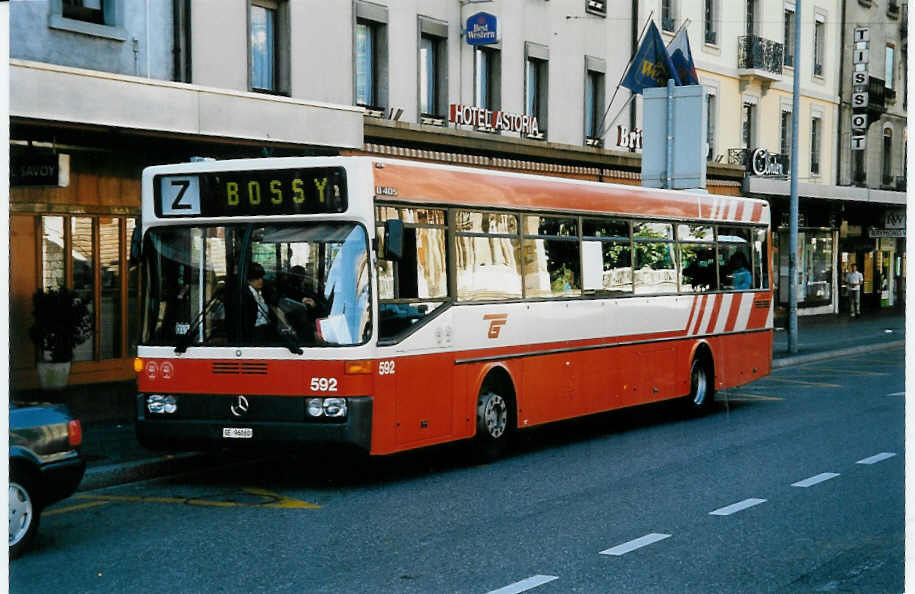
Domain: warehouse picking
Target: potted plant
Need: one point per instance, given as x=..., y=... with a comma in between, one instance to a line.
x=62, y=321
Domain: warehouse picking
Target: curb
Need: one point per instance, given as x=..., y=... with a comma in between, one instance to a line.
x=811, y=357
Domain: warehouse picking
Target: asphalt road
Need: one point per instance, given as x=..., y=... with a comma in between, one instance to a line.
x=793, y=483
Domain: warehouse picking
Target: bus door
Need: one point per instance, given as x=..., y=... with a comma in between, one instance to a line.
x=418, y=376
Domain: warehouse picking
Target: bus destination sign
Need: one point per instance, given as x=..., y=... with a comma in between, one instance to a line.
x=252, y=193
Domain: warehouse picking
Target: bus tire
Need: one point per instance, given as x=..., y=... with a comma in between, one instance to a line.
x=494, y=427
x=701, y=385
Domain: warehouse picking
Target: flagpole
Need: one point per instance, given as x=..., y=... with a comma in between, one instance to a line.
x=600, y=124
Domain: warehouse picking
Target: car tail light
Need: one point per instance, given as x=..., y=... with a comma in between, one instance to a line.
x=75, y=433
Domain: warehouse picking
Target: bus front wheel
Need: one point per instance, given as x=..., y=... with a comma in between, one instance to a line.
x=701, y=385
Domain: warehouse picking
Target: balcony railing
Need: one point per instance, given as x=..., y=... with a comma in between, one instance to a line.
x=876, y=95
x=757, y=53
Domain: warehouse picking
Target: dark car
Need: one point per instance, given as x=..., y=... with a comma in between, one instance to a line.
x=45, y=465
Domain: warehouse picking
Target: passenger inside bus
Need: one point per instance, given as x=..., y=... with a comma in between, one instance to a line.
x=301, y=303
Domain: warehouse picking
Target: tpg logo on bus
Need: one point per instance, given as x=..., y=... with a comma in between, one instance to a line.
x=482, y=29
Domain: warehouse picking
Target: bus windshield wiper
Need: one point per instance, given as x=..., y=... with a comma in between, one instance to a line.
x=184, y=340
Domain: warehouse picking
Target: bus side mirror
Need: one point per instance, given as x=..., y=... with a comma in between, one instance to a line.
x=393, y=239
x=135, y=246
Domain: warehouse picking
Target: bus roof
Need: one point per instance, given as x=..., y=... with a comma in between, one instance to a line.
x=449, y=185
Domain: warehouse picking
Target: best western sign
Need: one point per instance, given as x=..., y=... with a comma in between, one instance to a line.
x=480, y=117
x=482, y=29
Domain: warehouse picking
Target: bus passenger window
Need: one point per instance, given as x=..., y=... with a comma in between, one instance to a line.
x=760, y=259
x=698, y=273
x=487, y=256
x=734, y=258
x=551, y=257
x=606, y=257
x=655, y=268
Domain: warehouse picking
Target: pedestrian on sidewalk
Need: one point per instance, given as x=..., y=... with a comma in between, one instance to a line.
x=854, y=279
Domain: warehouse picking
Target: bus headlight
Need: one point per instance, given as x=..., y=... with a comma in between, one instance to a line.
x=332, y=408
x=159, y=404
x=335, y=407
x=315, y=407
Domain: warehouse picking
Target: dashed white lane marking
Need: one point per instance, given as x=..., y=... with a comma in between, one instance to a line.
x=876, y=458
x=638, y=543
x=809, y=482
x=525, y=585
x=897, y=394
x=739, y=506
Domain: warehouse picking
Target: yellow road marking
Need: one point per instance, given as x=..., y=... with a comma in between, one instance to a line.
x=72, y=508
x=801, y=382
x=272, y=500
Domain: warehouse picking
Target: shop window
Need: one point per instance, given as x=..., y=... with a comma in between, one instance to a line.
x=817, y=263
x=487, y=256
x=87, y=255
x=53, y=256
x=110, y=292
x=487, y=78
x=83, y=262
x=551, y=257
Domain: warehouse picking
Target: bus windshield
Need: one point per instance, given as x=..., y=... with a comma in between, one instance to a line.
x=248, y=284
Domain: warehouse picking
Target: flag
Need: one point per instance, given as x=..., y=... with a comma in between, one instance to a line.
x=651, y=66
x=682, y=58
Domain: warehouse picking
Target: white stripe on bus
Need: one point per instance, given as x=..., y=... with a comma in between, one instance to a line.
x=723, y=312
x=743, y=314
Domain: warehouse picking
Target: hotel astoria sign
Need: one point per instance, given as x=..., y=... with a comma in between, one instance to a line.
x=480, y=117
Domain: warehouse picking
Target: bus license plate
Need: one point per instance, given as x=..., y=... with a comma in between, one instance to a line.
x=238, y=432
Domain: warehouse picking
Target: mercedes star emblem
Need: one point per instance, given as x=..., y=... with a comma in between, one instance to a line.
x=239, y=407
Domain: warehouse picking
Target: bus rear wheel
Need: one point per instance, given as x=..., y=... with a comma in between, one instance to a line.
x=493, y=426
x=701, y=386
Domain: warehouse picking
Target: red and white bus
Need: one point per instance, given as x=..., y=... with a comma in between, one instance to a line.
x=394, y=305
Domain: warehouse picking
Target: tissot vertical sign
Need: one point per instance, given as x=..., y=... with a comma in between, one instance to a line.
x=482, y=29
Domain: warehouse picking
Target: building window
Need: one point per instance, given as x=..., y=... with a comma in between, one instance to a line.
x=486, y=78
x=819, y=46
x=815, y=133
x=789, y=37
x=98, y=18
x=751, y=17
x=748, y=136
x=711, y=113
x=889, y=68
x=594, y=105
x=263, y=48
x=371, y=64
x=536, y=83
x=90, y=11
x=598, y=7
x=668, y=18
x=433, y=68
x=888, y=157
x=428, y=75
x=711, y=27
x=785, y=132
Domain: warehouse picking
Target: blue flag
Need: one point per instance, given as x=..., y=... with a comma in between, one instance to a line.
x=682, y=58
x=651, y=66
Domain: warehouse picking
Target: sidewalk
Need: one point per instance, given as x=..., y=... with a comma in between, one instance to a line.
x=114, y=456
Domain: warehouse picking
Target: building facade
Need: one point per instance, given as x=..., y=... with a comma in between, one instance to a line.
x=519, y=85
